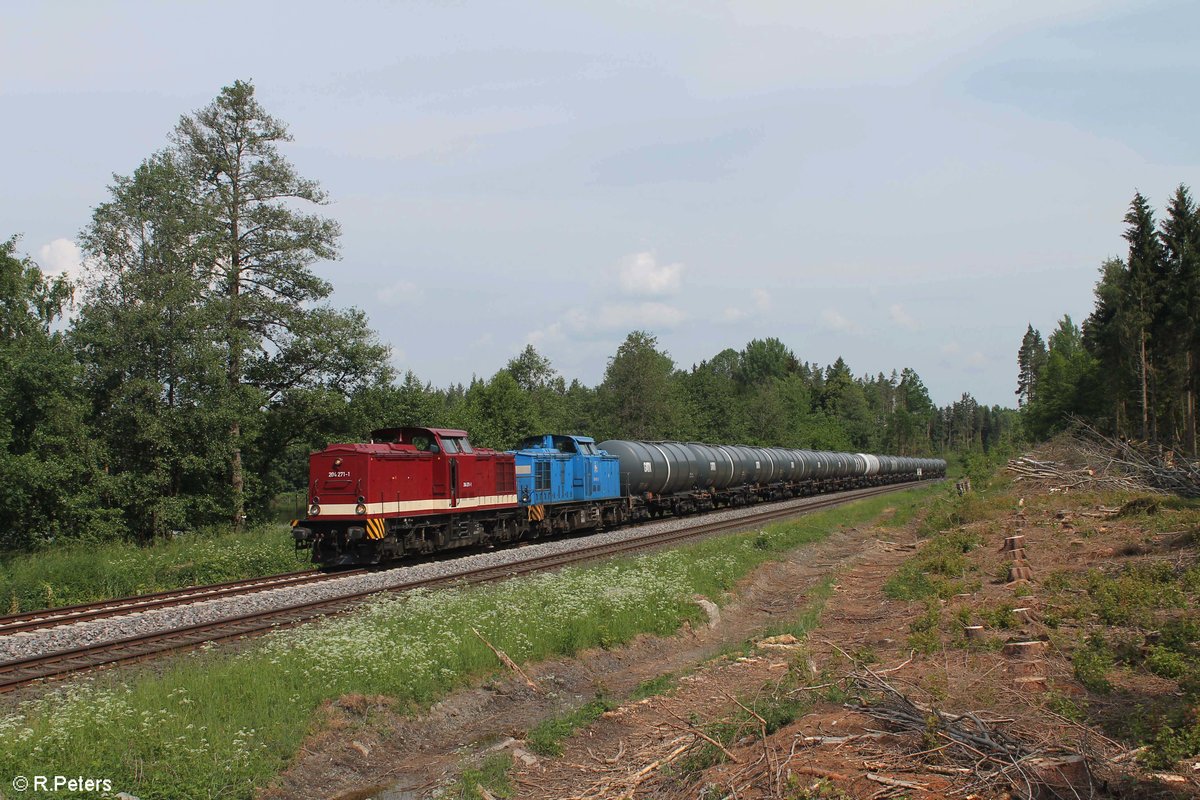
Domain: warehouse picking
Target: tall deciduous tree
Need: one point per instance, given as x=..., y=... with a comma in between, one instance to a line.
x=640, y=397
x=50, y=481
x=146, y=339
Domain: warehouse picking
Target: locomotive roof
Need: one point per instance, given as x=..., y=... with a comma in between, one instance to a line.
x=440, y=432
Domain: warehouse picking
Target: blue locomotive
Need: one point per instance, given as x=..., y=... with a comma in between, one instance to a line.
x=566, y=483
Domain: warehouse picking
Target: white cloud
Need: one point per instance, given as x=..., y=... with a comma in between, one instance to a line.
x=61, y=256
x=951, y=349
x=902, y=317
x=640, y=274
x=734, y=314
x=835, y=321
x=762, y=299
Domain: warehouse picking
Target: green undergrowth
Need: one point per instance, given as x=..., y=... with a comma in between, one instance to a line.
x=660, y=684
x=216, y=725
x=491, y=776
x=1134, y=621
x=84, y=573
x=547, y=737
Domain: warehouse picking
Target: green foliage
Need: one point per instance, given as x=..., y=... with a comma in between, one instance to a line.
x=52, y=484
x=1092, y=663
x=209, y=352
x=925, y=631
x=85, y=572
x=937, y=570
x=1136, y=590
x=641, y=396
x=1136, y=372
x=492, y=775
x=653, y=686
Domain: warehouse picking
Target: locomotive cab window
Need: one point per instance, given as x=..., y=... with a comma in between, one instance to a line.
x=541, y=476
x=450, y=446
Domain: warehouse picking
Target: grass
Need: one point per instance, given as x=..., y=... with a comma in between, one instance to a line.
x=214, y=725
x=654, y=686
x=547, y=737
x=491, y=775
x=83, y=573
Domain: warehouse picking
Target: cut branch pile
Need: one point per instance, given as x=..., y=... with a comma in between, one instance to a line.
x=989, y=755
x=1086, y=458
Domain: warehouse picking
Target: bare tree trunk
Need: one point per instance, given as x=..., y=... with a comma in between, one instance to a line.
x=1145, y=404
x=237, y=479
x=1190, y=407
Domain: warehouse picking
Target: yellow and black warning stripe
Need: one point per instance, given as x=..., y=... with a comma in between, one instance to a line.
x=376, y=529
x=537, y=513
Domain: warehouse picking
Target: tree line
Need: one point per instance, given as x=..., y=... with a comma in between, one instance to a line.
x=186, y=379
x=1133, y=368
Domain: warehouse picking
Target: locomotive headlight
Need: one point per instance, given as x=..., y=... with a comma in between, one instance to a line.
x=360, y=509
x=314, y=510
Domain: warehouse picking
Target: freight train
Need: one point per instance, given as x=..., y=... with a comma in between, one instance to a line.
x=418, y=490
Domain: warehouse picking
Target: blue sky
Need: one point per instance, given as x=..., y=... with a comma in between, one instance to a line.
x=896, y=184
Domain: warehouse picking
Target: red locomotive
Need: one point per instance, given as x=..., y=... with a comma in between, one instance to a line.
x=409, y=490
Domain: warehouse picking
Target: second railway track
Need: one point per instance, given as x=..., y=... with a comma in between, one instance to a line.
x=24, y=671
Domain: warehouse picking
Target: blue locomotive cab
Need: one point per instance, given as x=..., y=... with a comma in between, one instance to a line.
x=562, y=469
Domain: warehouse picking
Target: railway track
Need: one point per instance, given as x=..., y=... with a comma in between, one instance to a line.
x=17, y=673
x=69, y=615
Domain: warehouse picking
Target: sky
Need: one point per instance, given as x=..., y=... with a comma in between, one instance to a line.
x=897, y=184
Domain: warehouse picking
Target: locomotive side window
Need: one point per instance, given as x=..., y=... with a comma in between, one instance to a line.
x=541, y=476
x=450, y=445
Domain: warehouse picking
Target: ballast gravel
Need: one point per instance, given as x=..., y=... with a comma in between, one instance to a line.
x=30, y=644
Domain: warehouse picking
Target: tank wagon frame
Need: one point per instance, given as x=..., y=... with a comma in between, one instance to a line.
x=415, y=490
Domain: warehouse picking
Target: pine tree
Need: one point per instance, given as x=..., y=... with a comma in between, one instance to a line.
x=1031, y=360
x=1180, y=315
x=1143, y=290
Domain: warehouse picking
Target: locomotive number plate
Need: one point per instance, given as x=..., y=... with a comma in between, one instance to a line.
x=341, y=473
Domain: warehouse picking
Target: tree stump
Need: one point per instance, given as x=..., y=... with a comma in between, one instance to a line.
x=1030, y=684
x=1025, y=669
x=1068, y=774
x=974, y=633
x=1026, y=651
x=1019, y=571
x=1014, y=542
x=1025, y=614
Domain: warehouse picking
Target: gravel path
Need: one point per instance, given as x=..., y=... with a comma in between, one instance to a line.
x=15, y=646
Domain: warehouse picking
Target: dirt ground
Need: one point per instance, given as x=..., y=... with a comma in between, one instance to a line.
x=725, y=675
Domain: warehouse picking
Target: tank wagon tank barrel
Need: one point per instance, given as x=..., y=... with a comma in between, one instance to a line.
x=681, y=477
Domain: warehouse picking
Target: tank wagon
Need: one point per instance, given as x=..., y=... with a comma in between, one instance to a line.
x=423, y=490
x=686, y=477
